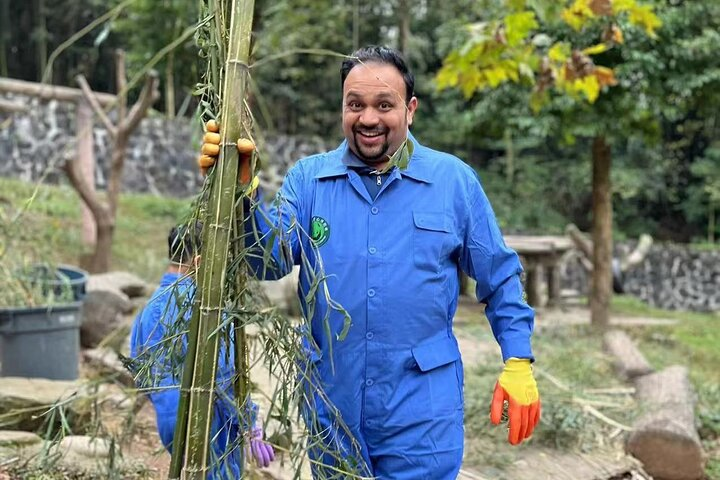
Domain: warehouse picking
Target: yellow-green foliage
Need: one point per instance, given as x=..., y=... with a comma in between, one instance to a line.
x=517, y=48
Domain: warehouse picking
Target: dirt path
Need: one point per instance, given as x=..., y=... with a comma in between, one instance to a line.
x=534, y=464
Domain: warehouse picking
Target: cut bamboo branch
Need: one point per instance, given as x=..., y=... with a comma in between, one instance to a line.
x=212, y=282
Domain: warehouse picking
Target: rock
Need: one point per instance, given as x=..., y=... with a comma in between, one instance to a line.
x=79, y=453
x=107, y=364
x=14, y=443
x=24, y=400
x=128, y=283
x=103, y=313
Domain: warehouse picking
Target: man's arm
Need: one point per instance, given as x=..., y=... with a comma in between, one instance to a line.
x=496, y=269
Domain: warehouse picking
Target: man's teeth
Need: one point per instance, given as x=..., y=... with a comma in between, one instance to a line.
x=371, y=134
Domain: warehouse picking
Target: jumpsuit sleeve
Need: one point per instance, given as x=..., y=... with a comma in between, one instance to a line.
x=496, y=270
x=273, y=231
x=146, y=340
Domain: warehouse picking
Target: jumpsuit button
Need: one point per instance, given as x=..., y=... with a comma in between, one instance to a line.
x=371, y=293
x=369, y=382
x=374, y=210
x=369, y=335
x=372, y=250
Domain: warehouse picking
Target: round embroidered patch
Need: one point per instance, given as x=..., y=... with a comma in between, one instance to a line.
x=319, y=231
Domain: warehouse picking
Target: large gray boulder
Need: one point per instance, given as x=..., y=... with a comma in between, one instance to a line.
x=108, y=307
x=25, y=402
x=14, y=443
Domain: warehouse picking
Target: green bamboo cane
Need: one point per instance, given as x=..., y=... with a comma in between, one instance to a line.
x=201, y=366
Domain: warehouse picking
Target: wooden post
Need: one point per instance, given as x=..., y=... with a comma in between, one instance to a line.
x=552, y=274
x=601, y=285
x=86, y=159
x=532, y=284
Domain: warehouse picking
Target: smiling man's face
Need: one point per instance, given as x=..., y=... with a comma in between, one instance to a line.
x=375, y=116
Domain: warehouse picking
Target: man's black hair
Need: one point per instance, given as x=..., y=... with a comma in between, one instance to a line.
x=380, y=54
x=184, y=242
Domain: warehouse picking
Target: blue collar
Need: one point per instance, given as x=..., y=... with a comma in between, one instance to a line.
x=172, y=278
x=333, y=168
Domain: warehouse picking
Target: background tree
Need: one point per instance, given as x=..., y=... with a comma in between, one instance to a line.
x=148, y=26
x=105, y=210
x=515, y=48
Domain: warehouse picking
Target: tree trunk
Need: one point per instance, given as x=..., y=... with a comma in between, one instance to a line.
x=170, y=86
x=627, y=358
x=41, y=36
x=117, y=164
x=711, y=221
x=4, y=36
x=601, y=285
x=99, y=260
x=404, y=16
x=86, y=158
x=356, y=24
x=664, y=437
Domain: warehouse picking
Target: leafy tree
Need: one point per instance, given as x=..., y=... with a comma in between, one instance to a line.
x=576, y=59
x=150, y=26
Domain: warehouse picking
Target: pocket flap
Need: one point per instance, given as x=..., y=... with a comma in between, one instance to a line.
x=436, y=354
x=435, y=221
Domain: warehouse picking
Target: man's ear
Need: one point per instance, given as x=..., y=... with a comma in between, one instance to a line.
x=410, y=112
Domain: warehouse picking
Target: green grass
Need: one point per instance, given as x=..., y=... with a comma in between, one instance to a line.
x=574, y=358
x=47, y=223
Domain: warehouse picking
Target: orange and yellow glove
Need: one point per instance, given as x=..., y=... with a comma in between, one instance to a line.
x=211, y=149
x=517, y=386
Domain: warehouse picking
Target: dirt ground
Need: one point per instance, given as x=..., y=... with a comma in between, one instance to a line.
x=144, y=447
x=543, y=463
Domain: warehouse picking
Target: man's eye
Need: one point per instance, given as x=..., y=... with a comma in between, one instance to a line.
x=386, y=106
x=354, y=105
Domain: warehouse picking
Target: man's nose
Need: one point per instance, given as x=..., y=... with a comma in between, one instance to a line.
x=369, y=117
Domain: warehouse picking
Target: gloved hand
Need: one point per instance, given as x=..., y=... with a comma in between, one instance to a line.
x=262, y=452
x=517, y=385
x=211, y=149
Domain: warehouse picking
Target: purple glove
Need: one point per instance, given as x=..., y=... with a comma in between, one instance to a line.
x=262, y=452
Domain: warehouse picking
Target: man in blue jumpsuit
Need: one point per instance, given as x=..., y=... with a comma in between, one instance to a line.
x=390, y=243
x=158, y=344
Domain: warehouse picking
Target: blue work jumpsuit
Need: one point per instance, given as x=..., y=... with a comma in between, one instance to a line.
x=392, y=262
x=156, y=330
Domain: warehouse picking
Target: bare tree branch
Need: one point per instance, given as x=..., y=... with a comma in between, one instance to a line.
x=86, y=193
x=121, y=84
x=148, y=96
x=99, y=111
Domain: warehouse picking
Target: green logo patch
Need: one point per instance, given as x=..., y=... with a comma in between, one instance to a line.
x=319, y=231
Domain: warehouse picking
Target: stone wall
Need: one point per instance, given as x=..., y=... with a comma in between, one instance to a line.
x=160, y=158
x=674, y=277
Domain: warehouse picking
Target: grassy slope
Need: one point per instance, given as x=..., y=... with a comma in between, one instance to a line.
x=48, y=227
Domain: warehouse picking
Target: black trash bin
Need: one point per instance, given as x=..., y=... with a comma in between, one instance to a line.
x=40, y=342
x=62, y=281
x=45, y=341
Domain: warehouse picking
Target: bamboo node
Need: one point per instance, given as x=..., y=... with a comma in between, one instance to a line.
x=210, y=309
x=238, y=62
x=218, y=226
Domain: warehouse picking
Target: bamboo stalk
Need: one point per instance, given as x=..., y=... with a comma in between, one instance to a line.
x=218, y=224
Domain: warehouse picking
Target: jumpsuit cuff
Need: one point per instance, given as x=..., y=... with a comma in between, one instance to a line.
x=516, y=347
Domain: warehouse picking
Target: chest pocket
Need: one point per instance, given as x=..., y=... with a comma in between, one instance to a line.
x=431, y=236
